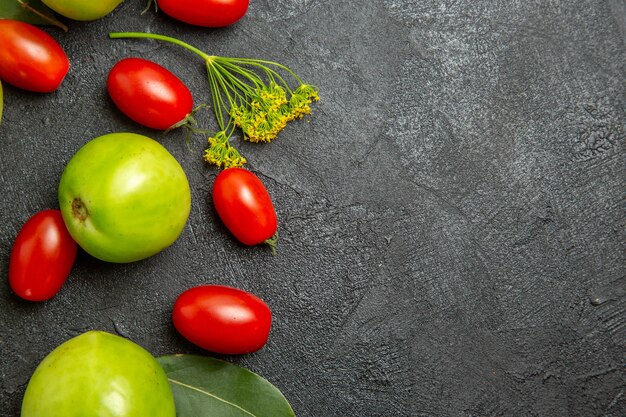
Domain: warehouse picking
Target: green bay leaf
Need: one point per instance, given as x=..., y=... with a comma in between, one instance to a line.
x=208, y=387
x=29, y=11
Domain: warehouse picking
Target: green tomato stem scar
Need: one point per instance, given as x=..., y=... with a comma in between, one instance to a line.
x=79, y=210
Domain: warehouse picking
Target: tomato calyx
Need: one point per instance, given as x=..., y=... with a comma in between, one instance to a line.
x=190, y=124
x=149, y=6
x=272, y=242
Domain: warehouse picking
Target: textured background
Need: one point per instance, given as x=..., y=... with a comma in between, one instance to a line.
x=451, y=214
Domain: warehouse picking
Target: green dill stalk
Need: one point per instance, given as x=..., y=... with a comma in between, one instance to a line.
x=253, y=95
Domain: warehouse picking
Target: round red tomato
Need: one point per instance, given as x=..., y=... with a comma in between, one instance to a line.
x=244, y=205
x=222, y=319
x=209, y=13
x=42, y=256
x=30, y=58
x=148, y=93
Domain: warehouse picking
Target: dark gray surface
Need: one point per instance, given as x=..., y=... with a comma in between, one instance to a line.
x=452, y=213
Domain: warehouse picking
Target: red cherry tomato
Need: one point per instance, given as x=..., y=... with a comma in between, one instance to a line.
x=244, y=205
x=30, y=58
x=208, y=13
x=42, y=256
x=222, y=319
x=148, y=93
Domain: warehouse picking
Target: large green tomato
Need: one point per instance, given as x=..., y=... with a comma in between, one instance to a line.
x=124, y=197
x=98, y=374
x=82, y=9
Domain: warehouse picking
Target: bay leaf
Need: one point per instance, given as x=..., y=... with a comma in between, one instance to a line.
x=29, y=11
x=209, y=387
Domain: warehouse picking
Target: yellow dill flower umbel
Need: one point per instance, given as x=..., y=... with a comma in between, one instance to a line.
x=221, y=154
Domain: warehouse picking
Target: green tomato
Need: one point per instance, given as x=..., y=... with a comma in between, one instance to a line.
x=98, y=374
x=124, y=197
x=82, y=9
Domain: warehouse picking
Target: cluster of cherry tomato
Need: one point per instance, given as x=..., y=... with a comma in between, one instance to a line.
x=217, y=318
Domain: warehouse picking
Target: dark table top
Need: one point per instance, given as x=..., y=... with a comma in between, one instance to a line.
x=451, y=213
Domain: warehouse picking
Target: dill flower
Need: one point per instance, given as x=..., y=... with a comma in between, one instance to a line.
x=221, y=154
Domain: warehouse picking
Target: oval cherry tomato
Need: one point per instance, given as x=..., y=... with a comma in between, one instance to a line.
x=222, y=319
x=208, y=13
x=148, y=93
x=42, y=256
x=30, y=58
x=244, y=205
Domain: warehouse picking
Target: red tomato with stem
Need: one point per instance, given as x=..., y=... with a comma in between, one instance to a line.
x=31, y=59
x=42, y=256
x=222, y=319
x=149, y=94
x=208, y=13
x=244, y=206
